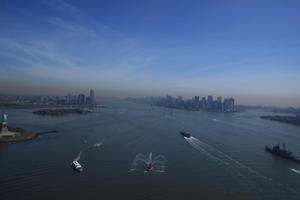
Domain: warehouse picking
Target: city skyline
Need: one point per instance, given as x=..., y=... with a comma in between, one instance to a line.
x=197, y=103
x=248, y=50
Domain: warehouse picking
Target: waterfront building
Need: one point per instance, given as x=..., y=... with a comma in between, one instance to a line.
x=170, y=101
x=209, y=102
x=226, y=105
x=188, y=104
x=74, y=99
x=220, y=105
x=81, y=99
x=231, y=104
x=215, y=106
x=68, y=99
x=196, y=102
x=57, y=100
x=203, y=103
x=179, y=103
x=88, y=100
x=92, y=97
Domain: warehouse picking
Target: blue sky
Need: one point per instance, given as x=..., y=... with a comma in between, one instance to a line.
x=245, y=49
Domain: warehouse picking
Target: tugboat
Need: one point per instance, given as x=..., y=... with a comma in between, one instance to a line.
x=282, y=152
x=185, y=134
x=76, y=166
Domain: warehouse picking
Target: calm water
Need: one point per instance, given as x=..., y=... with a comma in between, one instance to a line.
x=225, y=160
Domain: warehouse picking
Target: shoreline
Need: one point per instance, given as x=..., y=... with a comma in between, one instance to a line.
x=60, y=112
x=294, y=120
x=27, y=138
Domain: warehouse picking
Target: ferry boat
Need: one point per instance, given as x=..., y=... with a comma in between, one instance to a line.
x=185, y=134
x=76, y=166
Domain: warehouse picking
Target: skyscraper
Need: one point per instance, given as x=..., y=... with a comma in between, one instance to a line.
x=209, y=102
x=220, y=105
x=203, y=103
x=81, y=99
x=92, y=97
x=231, y=104
x=196, y=102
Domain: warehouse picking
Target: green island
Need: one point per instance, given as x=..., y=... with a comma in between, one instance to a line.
x=59, y=112
x=10, y=134
x=287, y=119
x=20, y=134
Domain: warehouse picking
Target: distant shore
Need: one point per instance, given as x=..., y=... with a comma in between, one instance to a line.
x=60, y=112
x=40, y=106
x=295, y=120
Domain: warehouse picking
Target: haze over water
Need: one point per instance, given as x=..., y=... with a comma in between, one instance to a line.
x=248, y=50
x=225, y=159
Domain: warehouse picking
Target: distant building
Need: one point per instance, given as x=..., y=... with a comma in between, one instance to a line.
x=203, y=103
x=231, y=105
x=219, y=104
x=81, y=99
x=74, y=99
x=196, y=104
x=179, y=102
x=209, y=104
x=92, y=97
x=228, y=105
x=88, y=100
x=68, y=99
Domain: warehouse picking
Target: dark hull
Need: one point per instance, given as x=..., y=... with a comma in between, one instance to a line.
x=287, y=157
x=185, y=134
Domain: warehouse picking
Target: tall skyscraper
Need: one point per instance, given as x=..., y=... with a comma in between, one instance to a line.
x=226, y=105
x=81, y=99
x=231, y=104
x=203, y=103
x=197, y=102
x=210, y=102
x=92, y=97
x=68, y=99
x=220, y=105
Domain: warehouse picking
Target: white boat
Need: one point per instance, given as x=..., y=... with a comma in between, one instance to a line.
x=76, y=166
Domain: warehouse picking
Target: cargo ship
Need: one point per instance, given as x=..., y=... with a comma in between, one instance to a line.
x=282, y=152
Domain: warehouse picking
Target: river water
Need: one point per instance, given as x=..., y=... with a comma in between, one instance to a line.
x=225, y=158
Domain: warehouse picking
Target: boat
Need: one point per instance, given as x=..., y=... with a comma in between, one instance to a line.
x=149, y=167
x=282, y=152
x=76, y=166
x=185, y=134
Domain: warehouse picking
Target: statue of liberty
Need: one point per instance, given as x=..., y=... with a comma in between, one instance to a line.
x=4, y=119
x=3, y=125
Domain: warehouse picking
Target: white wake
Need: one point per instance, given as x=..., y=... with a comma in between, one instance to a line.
x=295, y=170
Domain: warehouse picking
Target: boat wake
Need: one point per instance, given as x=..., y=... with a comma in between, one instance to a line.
x=96, y=145
x=295, y=170
x=78, y=156
x=254, y=181
x=141, y=162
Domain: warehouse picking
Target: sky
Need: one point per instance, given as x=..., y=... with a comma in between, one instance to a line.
x=249, y=50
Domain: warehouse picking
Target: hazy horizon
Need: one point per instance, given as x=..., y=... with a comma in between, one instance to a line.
x=246, y=50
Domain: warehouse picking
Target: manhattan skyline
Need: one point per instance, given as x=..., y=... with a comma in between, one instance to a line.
x=248, y=50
